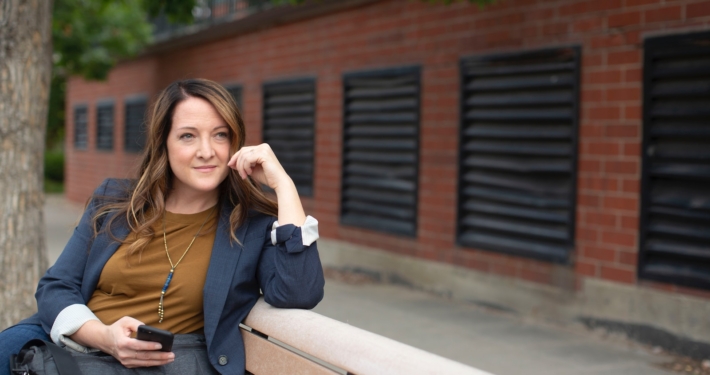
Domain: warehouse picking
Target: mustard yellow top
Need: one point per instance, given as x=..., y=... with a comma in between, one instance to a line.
x=132, y=286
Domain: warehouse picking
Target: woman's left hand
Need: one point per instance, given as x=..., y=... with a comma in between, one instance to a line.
x=261, y=164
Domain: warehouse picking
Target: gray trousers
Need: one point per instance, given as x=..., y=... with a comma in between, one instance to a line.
x=190, y=358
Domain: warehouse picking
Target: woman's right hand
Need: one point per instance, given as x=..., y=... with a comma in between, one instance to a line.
x=116, y=340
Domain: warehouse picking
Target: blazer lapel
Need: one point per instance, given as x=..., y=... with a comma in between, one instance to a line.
x=223, y=263
x=101, y=251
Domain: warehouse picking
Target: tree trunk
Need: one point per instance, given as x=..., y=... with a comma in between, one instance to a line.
x=25, y=71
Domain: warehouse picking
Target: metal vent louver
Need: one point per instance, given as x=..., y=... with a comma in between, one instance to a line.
x=381, y=150
x=289, y=122
x=236, y=92
x=104, y=126
x=81, y=136
x=675, y=209
x=518, y=153
x=134, y=140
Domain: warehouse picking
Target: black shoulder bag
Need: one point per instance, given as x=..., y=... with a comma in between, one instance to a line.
x=39, y=357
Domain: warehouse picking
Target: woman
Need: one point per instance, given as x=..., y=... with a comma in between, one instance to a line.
x=186, y=247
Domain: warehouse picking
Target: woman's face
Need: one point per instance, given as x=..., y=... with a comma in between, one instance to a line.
x=198, y=147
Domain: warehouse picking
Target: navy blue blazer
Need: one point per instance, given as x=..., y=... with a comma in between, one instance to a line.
x=289, y=274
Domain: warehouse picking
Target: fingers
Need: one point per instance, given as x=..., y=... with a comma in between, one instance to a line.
x=244, y=160
x=143, y=358
x=247, y=158
x=128, y=324
x=132, y=352
x=260, y=163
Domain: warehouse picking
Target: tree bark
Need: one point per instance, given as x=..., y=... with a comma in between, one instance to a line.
x=25, y=72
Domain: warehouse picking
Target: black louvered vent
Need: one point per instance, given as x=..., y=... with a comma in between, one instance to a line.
x=135, y=124
x=81, y=137
x=675, y=210
x=236, y=92
x=104, y=126
x=518, y=155
x=381, y=150
x=289, y=122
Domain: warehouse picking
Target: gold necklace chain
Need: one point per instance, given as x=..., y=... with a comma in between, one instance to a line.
x=161, y=310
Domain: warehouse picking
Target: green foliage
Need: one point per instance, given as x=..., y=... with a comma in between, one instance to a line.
x=55, y=117
x=51, y=186
x=91, y=36
x=54, y=165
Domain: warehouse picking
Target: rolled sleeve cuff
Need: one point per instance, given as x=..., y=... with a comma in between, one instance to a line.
x=308, y=232
x=67, y=323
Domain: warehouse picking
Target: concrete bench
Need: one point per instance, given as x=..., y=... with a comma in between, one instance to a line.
x=291, y=341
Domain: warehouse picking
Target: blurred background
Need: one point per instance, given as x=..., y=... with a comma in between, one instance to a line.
x=513, y=184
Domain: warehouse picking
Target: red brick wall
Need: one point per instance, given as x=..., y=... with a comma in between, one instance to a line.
x=85, y=169
x=400, y=32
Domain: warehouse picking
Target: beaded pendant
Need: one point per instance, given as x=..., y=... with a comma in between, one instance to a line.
x=161, y=310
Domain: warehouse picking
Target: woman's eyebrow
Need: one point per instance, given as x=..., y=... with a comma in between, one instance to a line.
x=187, y=127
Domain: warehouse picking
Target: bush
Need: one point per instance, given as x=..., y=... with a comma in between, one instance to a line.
x=54, y=165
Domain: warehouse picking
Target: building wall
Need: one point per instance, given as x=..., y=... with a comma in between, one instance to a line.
x=85, y=169
x=435, y=37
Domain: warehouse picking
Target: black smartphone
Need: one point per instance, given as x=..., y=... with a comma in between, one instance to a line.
x=148, y=333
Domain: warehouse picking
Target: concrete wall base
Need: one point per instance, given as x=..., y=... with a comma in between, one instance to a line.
x=647, y=313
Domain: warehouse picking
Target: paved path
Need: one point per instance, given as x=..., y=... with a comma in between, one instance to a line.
x=60, y=219
x=494, y=342
x=500, y=344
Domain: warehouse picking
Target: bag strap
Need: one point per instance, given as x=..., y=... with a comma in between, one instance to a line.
x=66, y=365
x=13, y=365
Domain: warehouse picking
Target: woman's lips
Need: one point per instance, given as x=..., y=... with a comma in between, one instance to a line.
x=206, y=168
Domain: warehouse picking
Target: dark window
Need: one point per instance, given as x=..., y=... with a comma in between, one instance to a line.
x=381, y=150
x=135, y=124
x=236, y=92
x=518, y=153
x=81, y=138
x=104, y=126
x=675, y=209
x=289, y=122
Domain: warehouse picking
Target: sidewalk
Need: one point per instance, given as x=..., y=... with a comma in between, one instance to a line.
x=495, y=342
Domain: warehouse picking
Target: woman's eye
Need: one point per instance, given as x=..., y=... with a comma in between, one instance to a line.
x=222, y=135
x=186, y=136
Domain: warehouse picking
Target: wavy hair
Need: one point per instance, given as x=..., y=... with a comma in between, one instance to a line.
x=144, y=202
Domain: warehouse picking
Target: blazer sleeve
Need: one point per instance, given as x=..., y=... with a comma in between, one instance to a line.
x=60, y=286
x=290, y=273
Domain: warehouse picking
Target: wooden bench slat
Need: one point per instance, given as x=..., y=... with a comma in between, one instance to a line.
x=350, y=348
x=263, y=357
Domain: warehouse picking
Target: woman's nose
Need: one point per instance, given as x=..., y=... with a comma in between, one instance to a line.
x=206, y=150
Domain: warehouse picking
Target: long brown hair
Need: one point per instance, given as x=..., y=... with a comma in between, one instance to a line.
x=145, y=201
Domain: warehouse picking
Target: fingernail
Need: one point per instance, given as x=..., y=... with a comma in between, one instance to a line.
x=158, y=346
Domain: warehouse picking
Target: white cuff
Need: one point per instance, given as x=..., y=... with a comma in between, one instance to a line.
x=68, y=322
x=309, y=231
